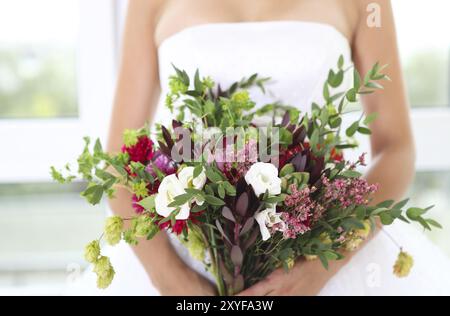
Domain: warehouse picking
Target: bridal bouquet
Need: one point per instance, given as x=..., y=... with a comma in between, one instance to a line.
x=246, y=190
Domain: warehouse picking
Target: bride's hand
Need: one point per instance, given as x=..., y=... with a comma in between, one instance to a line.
x=306, y=278
x=185, y=282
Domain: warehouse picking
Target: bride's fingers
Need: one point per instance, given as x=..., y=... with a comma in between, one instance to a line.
x=261, y=288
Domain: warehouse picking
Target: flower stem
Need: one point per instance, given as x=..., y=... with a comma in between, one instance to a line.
x=215, y=260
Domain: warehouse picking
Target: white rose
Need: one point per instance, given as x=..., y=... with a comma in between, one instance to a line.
x=264, y=177
x=186, y=177
x=169, y=188
x=267, y=219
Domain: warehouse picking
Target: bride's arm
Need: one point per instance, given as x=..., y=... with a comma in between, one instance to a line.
x=393, y=154
x=391, y=141
x=136, y=96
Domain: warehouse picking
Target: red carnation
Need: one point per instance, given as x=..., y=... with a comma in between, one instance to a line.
x=142, y=151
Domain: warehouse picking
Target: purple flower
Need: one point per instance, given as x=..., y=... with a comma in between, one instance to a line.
x=163, y=163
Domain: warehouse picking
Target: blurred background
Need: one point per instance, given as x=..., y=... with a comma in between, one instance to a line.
x=58, y=61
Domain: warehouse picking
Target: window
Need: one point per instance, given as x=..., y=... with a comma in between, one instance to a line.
x=58, y=85
x=425, y=50
x=38, y=60
x=57, y=70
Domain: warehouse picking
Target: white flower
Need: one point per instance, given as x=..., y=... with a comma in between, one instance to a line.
x=267, y=219
x=169, y=188
x=264, y=177
x=186, y=177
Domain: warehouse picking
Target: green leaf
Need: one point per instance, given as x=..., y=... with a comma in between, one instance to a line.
x=352, y=223
x=180, y=200
x=330, y=255
x=341, y=62
x=197, y=82
x=352, y=129
x=351, y=95
x=364, y=130
x=231, y=190
x=212, y=200
x=351, y=174
x=400, y=204
x=213, y=176
x=221, y=191
x=386, y=204
x=326, y=91
x=386, y=218
x=314, y=138
x=98, y=147
x=323, y=260
x=275, y=199
x=432, y=222
x=414, y=213
x=335, y=122
x=197, y=171
x=360, y=212
x=423, y=223
x=335, y=80
x=287, y=169
x=93, y=194
x=148, y=203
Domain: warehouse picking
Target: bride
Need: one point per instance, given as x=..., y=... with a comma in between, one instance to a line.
x=295, y=42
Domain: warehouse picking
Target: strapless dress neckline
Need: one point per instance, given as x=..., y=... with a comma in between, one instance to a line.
x=254, y=24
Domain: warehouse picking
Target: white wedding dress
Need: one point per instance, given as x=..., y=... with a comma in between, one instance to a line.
x=297, y=56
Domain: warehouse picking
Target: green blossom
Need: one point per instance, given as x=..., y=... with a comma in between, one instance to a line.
x=240, y=97
x=208, y=82
x=144, y=226
x=92, y=251
x=403, y=265
x=195, y=244
x=105, y=272
x=113, y=230
x=140, y=189
x=130, y=137
x=177, y=86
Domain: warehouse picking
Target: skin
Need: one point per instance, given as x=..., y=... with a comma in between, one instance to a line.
x=150, y=22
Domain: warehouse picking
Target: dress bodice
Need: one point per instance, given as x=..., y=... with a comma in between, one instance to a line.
x=296, y=56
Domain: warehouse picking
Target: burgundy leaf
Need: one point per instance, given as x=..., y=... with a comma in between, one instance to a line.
x=251, y=240
x=163, y=148
x=176, y=124
x=236, y=256
x=299, y=135
x=226, y=212
x=167, y=137
x=286, y=119
x=242, y=204
x=247, y=226
x=219, y=227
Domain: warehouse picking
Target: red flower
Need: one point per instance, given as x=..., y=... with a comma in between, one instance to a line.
x=336, y=155
x=142, y=151
x=177, y=228
x=137, y=208
x=180, y=225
